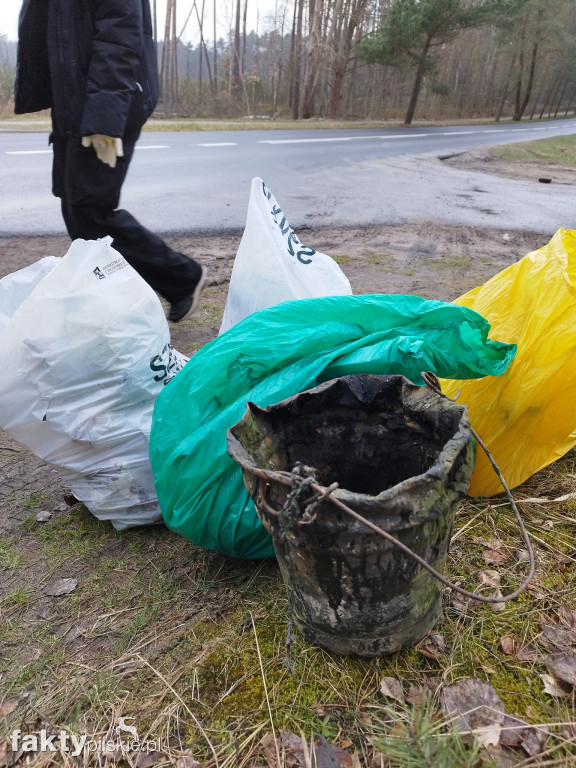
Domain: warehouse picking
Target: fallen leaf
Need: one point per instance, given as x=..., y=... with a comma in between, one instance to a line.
x=60, y=587
x=533, y=740
x=294, y=753
x=392, y=688
x=7, y=707
x=493, y=557
x=568, y=731
x=530, y=653
x=474, y=706
x=553, y=687
x=433, y=685
x=553, y=636
x=567, y=616
x=508, y=645
x=43, y=516
x=417, y=695
x=462, y=604
x=497, y=606
x=346, y=744
x=563, y=666
x=489, y=577
x=327, y=755
x=432, y=646
x=187, y=760
x=378, y=760
x=149, y=759
x=112, y=755
x=512, y=730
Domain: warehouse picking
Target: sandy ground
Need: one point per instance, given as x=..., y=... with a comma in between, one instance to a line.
x=481, y=160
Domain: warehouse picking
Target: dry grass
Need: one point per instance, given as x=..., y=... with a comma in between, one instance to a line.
x=192, y=644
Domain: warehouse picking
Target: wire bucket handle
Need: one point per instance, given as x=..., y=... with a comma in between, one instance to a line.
x=302, y=485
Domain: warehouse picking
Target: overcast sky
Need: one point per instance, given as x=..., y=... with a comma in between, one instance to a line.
x=259, y=14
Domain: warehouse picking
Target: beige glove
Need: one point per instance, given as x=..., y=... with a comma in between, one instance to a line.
x=107, y=148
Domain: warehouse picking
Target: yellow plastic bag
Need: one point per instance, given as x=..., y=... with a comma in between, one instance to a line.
x=526, y=416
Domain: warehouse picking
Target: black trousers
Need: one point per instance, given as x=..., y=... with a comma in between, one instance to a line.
x=90, y=194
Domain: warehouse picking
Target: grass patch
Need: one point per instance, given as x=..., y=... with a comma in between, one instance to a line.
x=343, y=259
x=192, y=644
x=449, y=261
x=18, y=597
x=560, y=150
x=10, y=557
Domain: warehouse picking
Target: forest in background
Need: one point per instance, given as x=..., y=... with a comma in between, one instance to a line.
x=362, y=59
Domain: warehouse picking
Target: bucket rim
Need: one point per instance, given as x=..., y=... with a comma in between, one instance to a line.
x=440, y=468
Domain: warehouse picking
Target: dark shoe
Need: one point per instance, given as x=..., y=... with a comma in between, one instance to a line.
x=184, y=307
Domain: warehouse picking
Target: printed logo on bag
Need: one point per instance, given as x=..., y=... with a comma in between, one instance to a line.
x=111, y=267
x=167, y=364
x=114, y=266
x=127, y=740
x=295, y=247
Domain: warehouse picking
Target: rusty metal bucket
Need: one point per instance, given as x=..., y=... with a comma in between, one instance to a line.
x=402, y=457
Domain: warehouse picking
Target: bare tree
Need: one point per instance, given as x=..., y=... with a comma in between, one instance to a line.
x=316, y=9
x=296, y=59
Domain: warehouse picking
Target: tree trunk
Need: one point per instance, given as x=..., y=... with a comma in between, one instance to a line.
x=296, y=60
x=522, y=107
x=536, y=102
x=417, y=83
x=244, y=36
x=204, y=49
x=342, y=55
x=561, y=97
x=517, y=114
x=551, y=93
x=312, y=59
x=215, y=50
x=505, y=91
x=236, y=83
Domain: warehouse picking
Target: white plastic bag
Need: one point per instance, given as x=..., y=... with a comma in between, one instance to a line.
x=84, y=355
x=13, y=291
x=272, y=265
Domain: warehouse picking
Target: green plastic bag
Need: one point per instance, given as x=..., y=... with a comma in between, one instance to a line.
x=274, y=354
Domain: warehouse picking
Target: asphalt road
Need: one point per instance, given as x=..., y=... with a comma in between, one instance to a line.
x=199, y=181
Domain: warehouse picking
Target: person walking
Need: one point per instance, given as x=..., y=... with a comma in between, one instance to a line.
x=94, y=64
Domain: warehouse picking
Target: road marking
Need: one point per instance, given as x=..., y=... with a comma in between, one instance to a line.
x=456, y=133
x=49, y=151
x=344, y=138
x=220, y=144
x=405, y=136
x=305, y=141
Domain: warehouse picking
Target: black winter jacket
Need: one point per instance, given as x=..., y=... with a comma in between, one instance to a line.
x=92, y=61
